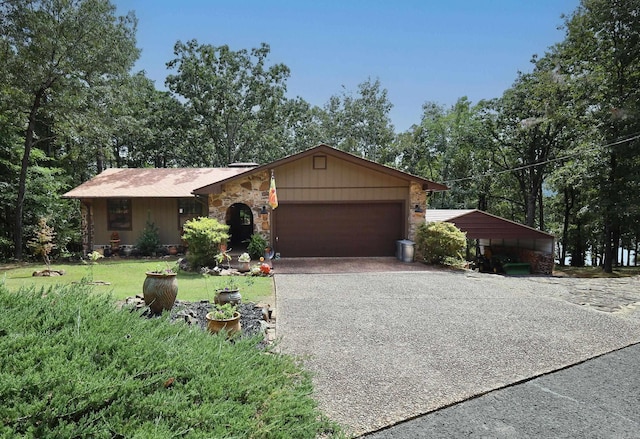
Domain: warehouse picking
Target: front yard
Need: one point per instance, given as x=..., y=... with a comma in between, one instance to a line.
x=126, y=276
x=73, y=365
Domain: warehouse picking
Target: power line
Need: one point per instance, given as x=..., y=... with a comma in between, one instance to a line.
x=519, y=168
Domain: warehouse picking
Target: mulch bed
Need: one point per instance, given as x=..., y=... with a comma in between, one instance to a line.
x=194, y=313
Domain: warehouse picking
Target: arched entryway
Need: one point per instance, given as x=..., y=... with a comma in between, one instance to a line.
x=239, y=218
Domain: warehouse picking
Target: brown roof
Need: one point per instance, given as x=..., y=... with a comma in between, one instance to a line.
x=426, y=184
x=483, y=225
x=150, y=182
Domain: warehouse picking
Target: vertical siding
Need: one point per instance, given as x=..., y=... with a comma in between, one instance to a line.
x=341, y=181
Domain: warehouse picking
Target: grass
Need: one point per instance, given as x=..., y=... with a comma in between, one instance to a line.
x=596, y=272
x=76, y=366
x=126, y=276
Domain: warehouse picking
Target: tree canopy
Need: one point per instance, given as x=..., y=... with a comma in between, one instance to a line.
x=558, y=150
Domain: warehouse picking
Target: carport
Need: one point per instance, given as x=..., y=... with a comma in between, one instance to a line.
x=501, y=236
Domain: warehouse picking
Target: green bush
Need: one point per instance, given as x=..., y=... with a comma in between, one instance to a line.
x=203, y=237
x=75, y=366
x=149, y=240
x=440, y=243
x=257, y=246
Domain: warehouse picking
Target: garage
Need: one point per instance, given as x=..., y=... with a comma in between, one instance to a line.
x=500, y=236
x=338, y=229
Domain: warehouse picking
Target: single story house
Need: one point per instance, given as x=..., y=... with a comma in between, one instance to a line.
x=331, y=203
x=501, y=236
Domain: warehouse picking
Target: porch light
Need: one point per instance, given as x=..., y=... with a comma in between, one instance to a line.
x=418, y=209
x=263, y=211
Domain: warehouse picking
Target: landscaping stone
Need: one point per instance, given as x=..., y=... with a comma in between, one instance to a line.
x=194, y=313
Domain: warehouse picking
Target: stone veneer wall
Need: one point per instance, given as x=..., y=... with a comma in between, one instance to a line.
x=416, y=196
x=252, y=191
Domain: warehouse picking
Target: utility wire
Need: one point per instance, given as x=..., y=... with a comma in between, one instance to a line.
x=519, y=168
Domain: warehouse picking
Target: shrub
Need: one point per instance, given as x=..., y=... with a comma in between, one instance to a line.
x=440, y=243
x=42, y=244
x=149, y=240
x=203, y=237
x=78, y=367
x=257, y=246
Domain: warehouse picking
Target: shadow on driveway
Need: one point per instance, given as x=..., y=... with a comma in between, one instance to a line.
x=346, y=265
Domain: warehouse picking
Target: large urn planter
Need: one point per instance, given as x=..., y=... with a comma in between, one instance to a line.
x=230, y=325
x=160, y=291
x=227, y=295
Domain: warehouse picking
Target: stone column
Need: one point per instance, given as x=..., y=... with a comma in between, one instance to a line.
x=417, y=196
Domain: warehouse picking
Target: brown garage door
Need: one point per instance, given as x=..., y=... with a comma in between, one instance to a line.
x=338, y=230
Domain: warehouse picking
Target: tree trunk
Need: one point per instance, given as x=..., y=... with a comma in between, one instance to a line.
x=610, y=217
x=22, y=183
x=540, y=209
x=568, y=204
x=482, y=202
x=530, y=219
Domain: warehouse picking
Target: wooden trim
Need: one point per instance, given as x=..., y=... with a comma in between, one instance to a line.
x=320, y=162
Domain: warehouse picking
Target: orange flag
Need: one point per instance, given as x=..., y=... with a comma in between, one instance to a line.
x=273, y=196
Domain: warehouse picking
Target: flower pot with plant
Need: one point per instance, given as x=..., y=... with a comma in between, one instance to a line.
x=224, y=318
x=160, y=289
x=256, y=245
x=244, y=259
x=229, y=294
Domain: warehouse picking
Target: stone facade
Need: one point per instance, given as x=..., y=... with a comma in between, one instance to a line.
x=417, y=196
x=252, y=191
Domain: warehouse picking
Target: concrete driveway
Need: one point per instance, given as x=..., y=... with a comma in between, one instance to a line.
x=388, y=346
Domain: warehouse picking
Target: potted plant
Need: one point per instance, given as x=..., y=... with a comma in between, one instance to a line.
x=244, y=260
x=223, y=259
x=160, y=289
x=224, y=318
x=229, y=294
x=256, y=245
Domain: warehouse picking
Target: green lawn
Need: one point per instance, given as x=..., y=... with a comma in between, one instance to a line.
x=126, y=276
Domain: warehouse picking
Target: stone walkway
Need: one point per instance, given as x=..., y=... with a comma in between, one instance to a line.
x=619, y=296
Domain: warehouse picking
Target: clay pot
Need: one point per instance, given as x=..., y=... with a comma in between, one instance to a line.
x=231, y=326
x=227, y=296
x=244, y=267
x=160, y=291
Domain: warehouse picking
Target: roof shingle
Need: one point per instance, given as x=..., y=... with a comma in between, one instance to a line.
x=150, y=182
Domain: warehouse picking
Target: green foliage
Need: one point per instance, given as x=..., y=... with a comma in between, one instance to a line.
x=257, y=246
x=126, y=277
x=440, y=243
x=42, y=244
x=204, y=236
x=81, y=368
x=360, y=123
x=234, y=94
x=224, y=312
x=149, y=240
x=66, y=48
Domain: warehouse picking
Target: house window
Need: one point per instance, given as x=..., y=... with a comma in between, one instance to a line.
x=119, y=214
x=188, y=209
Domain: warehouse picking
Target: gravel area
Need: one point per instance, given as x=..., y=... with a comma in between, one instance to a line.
x=385, y=347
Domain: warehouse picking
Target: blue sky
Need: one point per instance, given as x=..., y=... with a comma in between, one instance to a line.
x=419, y=50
